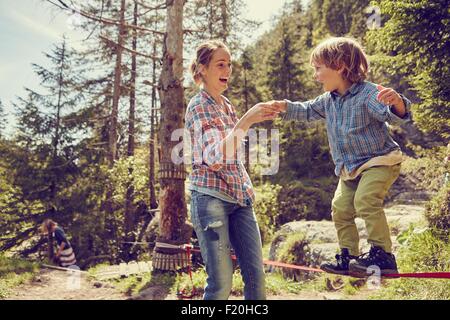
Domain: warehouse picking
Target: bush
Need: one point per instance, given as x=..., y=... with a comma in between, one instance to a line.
x=437, y=212
x=14, y=272
x=427, y=170
x=298, y=201
x=295, y=250
x=421, y=252
x=266, y=209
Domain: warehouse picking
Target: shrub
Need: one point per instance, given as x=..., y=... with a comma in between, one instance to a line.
x=266, y=209
x=295, y=250
x=298, y=201
x=427, y=170
x=421, y=251
x=437, y=212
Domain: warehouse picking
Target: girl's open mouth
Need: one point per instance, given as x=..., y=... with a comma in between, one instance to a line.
x=224, y=80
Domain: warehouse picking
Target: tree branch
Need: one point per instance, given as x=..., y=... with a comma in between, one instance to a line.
x=111, y=42
x=103, y=20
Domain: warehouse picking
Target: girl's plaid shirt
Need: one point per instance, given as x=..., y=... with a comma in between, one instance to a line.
x=207, y=124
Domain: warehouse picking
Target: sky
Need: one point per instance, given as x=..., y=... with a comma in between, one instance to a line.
x=30, y=27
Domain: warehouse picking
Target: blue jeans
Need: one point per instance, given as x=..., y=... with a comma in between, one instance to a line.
x=220, y=225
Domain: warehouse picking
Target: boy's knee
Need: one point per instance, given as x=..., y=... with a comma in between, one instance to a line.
x=342, y=207
x=368, y=202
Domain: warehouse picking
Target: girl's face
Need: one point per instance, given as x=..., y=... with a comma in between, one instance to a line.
x=329, y=78
x=217, y=74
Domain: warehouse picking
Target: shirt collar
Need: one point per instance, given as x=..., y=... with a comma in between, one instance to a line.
x=228, y=111
x=354, y=89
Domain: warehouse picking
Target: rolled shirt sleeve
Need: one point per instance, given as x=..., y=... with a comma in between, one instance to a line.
x=385, y=113
x=311, y=110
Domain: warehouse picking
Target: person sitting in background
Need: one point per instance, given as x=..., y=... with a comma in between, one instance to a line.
x=65, y=255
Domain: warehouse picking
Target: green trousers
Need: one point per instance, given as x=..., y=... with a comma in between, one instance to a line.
x=363, y=197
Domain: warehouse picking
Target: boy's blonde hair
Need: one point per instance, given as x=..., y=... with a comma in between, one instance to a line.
x=341, y=52
x=204, y=55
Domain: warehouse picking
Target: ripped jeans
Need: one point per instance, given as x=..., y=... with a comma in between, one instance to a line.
x=220, y=225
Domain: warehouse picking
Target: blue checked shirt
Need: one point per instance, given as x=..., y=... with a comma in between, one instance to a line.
x=356, y=123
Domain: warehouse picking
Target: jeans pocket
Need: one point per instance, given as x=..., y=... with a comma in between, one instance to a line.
x=209, y=212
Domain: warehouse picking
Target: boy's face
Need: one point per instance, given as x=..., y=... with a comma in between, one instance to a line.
x=217, y=75
x=329, y=78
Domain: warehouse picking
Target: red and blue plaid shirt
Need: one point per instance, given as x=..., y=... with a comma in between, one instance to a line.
x=208, y=124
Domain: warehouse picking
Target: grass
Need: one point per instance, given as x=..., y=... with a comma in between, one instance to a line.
x=422, y=251
x=134, y=284
x=14, y=272
x=276, y=284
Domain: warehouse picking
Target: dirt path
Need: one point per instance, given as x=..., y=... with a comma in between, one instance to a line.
x=59, y=285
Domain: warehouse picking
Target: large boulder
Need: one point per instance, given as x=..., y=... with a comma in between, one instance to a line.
x=321, y=239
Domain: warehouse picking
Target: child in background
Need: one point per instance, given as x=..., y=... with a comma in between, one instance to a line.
x=65, y=255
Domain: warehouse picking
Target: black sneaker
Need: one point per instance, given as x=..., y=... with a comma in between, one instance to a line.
x=341, y=264
x=365, y=265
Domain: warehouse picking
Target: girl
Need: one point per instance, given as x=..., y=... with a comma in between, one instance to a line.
x=222, y=193
x=65, y=254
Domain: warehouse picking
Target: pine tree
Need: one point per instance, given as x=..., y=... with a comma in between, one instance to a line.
x=413, y=44
x=42, y=162
x=285, y=69
x=173, y=211
x=3, y=119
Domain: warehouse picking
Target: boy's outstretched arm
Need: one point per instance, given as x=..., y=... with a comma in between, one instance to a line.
x=304, y=111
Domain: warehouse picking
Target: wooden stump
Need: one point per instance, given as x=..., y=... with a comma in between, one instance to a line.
x=165, y=261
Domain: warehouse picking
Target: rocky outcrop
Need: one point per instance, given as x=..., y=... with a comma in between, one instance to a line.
x=322, y=239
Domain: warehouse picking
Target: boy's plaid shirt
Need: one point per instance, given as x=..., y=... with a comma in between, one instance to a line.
x=207, y=125
x=356, y=123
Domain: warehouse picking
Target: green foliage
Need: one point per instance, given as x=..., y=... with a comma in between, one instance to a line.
x=14, y=272
x=275, y=283
x=266, y=208
x=285, y=66
x=304, y=152
x=133, y=285
x=298, y=201
x=427, y=169
x=53, y=168
x=438, y=213
x=295, y=250
x=414, y=43
x=422, y=252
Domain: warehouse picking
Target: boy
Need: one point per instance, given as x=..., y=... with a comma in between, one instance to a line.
x=367, y=159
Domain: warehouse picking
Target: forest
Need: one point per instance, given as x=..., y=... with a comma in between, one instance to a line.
x=91, y=147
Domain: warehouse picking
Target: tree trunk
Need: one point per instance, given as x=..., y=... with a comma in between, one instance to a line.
x=56, y=138
x=112, y=133
x=116, y=90
x=224, y=13
x=152, y=184
x=130, y=221
x=247, y=145
x=172, y=227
